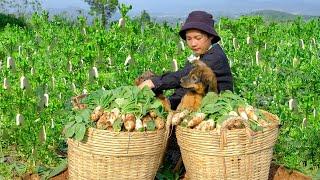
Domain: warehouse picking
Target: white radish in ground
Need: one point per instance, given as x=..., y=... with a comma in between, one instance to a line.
x=121, y=22
x=235, y=43
x=293, y=104
x=249, y=40
x=46, y=100
x=302, y=44
x=19, y=119
x=6, y=83
x=10, y=63
x=295, y=62
x=175, y=65
x=128, y=60
x=24, y=83
x=181, y=45
x=32, y=71
x=257, y=57
x=43, y=134
x=73, y=87
x=69, y=67
x=94, y=73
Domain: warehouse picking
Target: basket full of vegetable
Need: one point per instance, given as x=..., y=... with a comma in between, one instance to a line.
x=116, y=134
x=226, y=139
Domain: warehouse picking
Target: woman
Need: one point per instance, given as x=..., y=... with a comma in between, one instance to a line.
x=201, y=38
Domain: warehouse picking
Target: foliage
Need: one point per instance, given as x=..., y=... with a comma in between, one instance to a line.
x=12, y=20
x=62, y=55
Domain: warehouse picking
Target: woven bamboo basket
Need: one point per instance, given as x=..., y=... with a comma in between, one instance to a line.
x=227, y=154
x=111, y=155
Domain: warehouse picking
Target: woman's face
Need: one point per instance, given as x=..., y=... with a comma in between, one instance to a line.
x=198, y=41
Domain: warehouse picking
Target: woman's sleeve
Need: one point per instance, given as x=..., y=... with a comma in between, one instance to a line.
x=170, y=80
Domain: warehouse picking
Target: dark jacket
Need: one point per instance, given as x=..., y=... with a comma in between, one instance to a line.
x=215, y=58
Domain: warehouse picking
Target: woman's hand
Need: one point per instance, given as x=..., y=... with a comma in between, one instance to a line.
x=147, y=83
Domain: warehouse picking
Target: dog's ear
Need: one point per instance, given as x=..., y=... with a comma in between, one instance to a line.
x=213, y=86
x=209, y=78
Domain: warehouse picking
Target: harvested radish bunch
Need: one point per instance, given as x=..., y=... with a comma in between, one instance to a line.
x=126, y=108
x=226, y=110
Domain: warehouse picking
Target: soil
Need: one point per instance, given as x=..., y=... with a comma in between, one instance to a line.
x=281, y=173
x=62, y=176
x=277, y=172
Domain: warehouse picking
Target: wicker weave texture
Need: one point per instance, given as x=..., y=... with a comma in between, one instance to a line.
x=240, y=156
x=110, y=155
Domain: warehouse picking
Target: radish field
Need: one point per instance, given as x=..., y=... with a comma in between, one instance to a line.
x=276, y=67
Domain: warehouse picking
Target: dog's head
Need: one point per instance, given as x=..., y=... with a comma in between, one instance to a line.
x=201, y=79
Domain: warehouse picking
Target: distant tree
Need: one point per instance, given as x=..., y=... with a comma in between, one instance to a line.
x=20, y=7
x=105, y=8
x=145, y=17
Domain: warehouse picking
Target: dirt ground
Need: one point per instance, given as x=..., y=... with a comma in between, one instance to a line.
x=276, y=173
x=281, y=173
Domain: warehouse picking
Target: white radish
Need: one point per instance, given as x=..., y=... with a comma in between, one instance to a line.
x=251, y=113
x=249, y=40
x=10, y=63
x=122, y=22
x=128, y=60
x=43, y=134
x=138, y=124
x=84, y=91
x=19, y=119
x=73, y=87
x=293, y=104
x=6, y=83
x=233, y=113
x=94, y=73
x=302, y=44
x=46, y=100
x=109, y=61
x=19, y=50
x=295, y=62
x=24, y=83
x=69, y=67
x=52, y=124
x=196, y=119
x=64, y=81
x=181, y=45
x=243, y=113
x=32, y=71
x=235, y=43
x=304, y=122
x=175, y=65
x=53, y=81
x=313, y=40
x=257, y=57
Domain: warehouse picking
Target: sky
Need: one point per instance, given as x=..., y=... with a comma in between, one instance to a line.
x=183, y=7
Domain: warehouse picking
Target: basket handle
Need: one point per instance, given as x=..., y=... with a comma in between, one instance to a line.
x=224, y=129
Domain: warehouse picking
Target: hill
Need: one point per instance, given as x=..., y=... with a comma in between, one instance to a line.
x=272, y=15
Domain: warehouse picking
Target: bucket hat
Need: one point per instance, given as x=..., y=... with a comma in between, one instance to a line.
x=200, y=20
